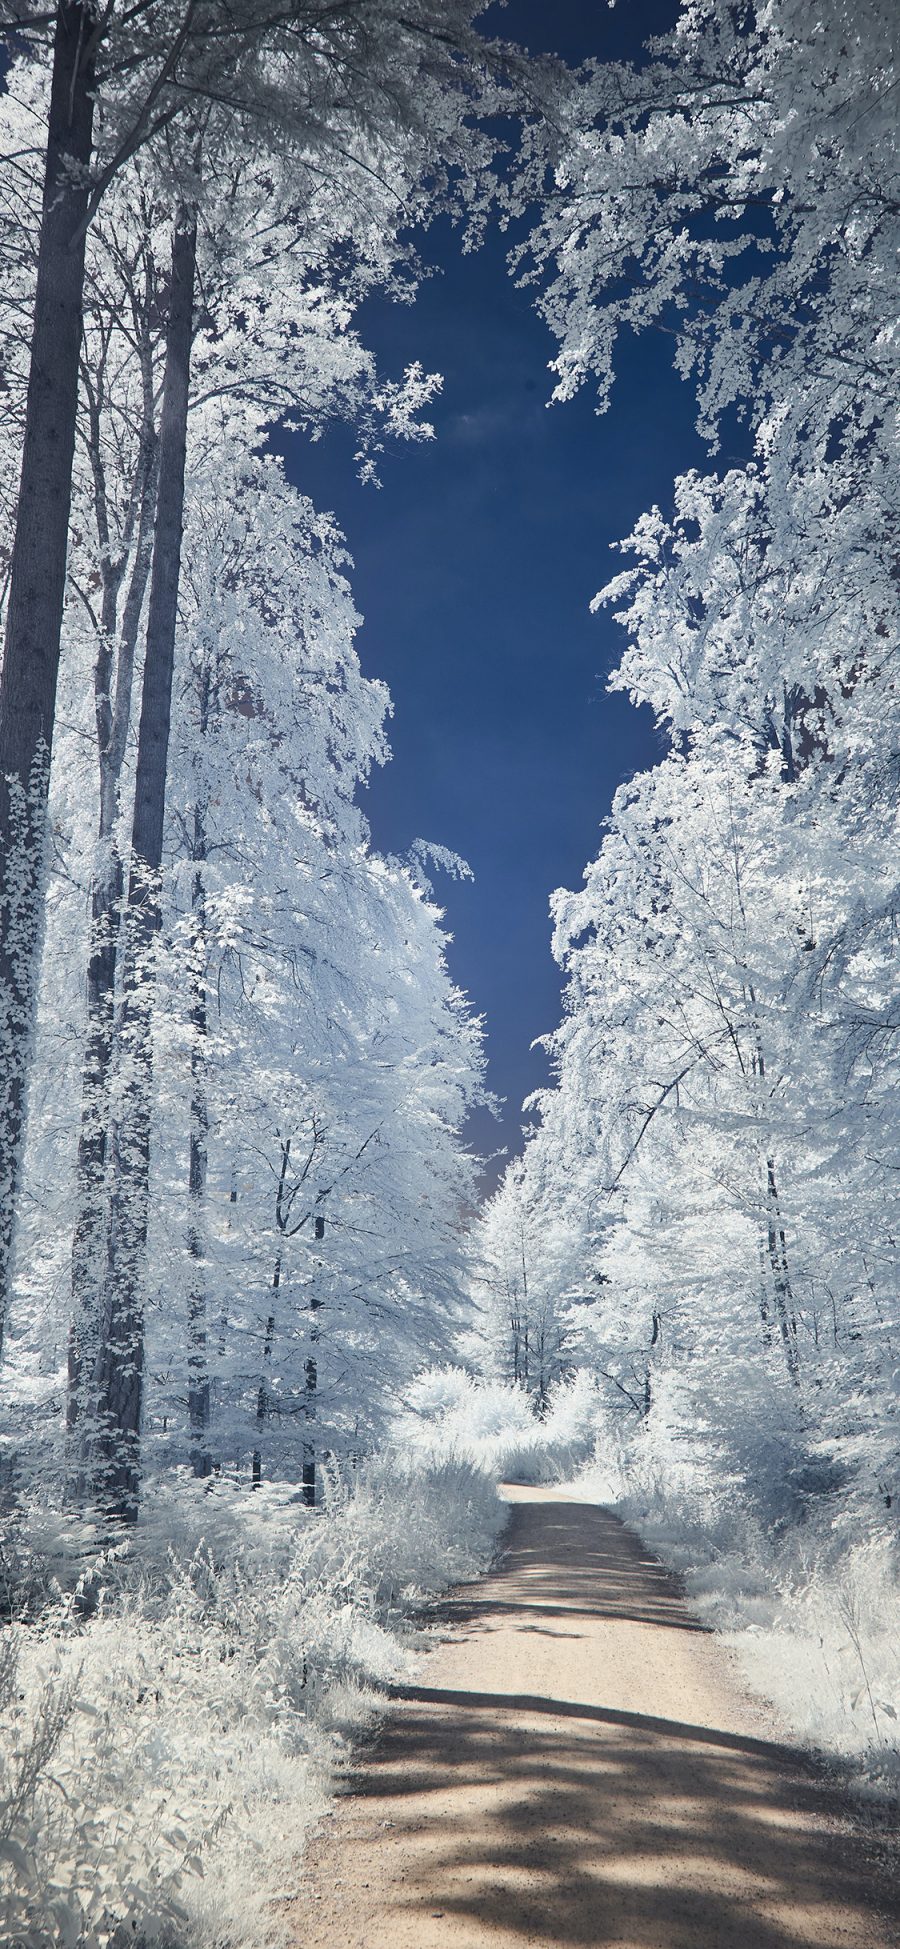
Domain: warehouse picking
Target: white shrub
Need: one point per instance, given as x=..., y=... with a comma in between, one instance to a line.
x=493, y=1425
x=163, y=1757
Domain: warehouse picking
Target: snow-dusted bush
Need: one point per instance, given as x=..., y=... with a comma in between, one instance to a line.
x=164, y=1754
x=493, y=1425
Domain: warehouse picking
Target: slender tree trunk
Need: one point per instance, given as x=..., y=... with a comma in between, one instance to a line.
x=776, y=1241
x=198, y=1361
x=312, y=1385
x=107, y=887
x=309, y=1447
x=764, y=1314
x=120, y=1361
x=781, y=1282
x=88, y=1238
x=262, y=1392
x=198, y=1356
x=515, y=1329
x=655, y=1337
x=37, y=579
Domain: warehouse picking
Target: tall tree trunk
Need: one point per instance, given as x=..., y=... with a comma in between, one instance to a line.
x=655, y=1337
x=37, y=579
x=775, y=1246
x=198, y=1359
x=118, y=1387
x=764, y=1314
x=309, y=1446
x=283, y=1202
x=113, y=720
x=90, y=1180
x=515, y=1327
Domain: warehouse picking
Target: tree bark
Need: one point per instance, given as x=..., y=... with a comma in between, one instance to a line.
x=262, y=1392
x=198, y=1352
x=107, y=888
x=37, y=579
x=776, y=1240
x=118, y=1390
x=781, y=1280
x=312, y=1384
x=198, y=1361
x=309, y=1447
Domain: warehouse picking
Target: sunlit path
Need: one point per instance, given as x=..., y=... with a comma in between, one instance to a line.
x=578, y=1767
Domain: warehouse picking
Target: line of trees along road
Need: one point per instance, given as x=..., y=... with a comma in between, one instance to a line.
x=217, y=190
x=712, y=1186
x=197, y=203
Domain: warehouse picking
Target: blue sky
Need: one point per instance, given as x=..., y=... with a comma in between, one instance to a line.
x=475, y=564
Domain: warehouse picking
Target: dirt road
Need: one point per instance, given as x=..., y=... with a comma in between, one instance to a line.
x=579, y=1768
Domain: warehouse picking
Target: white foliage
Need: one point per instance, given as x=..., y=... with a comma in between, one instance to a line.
x=165, y=1753
x=492, y=1425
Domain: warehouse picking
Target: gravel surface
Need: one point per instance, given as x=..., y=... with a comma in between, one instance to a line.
x=579, y=1766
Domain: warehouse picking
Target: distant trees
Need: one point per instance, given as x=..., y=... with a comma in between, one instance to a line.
x=523, y=1332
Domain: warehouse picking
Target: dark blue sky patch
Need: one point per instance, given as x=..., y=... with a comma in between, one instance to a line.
x=475, y=565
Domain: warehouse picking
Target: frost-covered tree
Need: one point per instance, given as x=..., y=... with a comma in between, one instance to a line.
x=275, y=152
x=524, y=1331
x=738, y=189
x=331, y=1062
x=293, y=346
x=313, y=1064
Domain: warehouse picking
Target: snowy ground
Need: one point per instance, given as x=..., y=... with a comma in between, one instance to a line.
x=171, y=1727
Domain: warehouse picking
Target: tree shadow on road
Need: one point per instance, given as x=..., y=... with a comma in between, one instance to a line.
x=570, y=1825
x=552, y=1565
x=557, y=1824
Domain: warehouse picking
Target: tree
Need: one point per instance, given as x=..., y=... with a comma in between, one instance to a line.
x=337, y=1061
x=300, y=1000
x=291, y=348
x=520, y=1287
x=37, y=577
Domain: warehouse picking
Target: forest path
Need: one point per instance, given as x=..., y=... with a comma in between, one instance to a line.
x=579, y=1768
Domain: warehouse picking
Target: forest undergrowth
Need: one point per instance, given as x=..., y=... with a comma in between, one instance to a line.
x=172, y=1718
